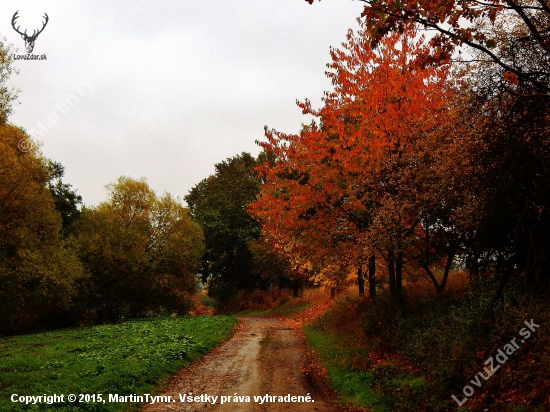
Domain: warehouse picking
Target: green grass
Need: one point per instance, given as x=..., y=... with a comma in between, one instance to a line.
x=133, y=357
x=353, y=386
x=384, y=388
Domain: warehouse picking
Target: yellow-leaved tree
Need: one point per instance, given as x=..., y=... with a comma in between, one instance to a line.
x=141, y=250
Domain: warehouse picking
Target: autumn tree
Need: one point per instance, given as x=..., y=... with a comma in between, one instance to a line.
x=142, y=252
x=513, y=150
x=505, y=48
x=364, y=178
x=503, y=33
x=39, y=273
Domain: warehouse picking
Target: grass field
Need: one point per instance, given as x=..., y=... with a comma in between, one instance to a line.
x=133, y=357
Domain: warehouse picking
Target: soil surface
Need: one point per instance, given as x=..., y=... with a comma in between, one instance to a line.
x=265, y=356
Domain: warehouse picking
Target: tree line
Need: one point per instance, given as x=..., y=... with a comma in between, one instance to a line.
x=422, y=159
x=62, y=263
x=429, y=156
x=427, y=159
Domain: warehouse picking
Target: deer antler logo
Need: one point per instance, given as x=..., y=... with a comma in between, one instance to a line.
x=29, y=40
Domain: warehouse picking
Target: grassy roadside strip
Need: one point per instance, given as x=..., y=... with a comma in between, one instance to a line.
x=382, y=361
x=133, y=357
x=360, y=380
x=352, y=387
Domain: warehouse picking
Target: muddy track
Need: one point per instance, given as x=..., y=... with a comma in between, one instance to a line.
x=265, y=356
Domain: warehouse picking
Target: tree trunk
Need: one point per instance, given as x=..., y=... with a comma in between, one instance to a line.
x=296, y=288
x=448, y=265
x=333, y=292
x=426, y=263
x=361, y=279
x=302, y=287
x=474, y=269
x=432, y=277
x=391, y=277
x=372, y=277
x=399, y=279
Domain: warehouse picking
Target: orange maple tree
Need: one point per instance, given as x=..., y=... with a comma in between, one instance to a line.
x=360, y=180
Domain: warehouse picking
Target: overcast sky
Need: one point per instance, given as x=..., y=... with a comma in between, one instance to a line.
x=165, y=89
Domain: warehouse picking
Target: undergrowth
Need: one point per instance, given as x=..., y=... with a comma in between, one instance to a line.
x=414, y=361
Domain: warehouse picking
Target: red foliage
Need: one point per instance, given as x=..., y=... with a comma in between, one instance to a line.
x=357, y=180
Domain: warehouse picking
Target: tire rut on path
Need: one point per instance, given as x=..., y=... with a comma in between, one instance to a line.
x=265, y=356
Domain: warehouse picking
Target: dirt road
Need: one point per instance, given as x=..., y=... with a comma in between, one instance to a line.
x=265, y=356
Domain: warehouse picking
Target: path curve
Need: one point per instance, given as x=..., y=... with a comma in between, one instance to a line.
x=265, y=356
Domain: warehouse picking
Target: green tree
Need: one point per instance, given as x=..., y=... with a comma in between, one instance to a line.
x=67, y=202
x=219, y=204
x=142, y=252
